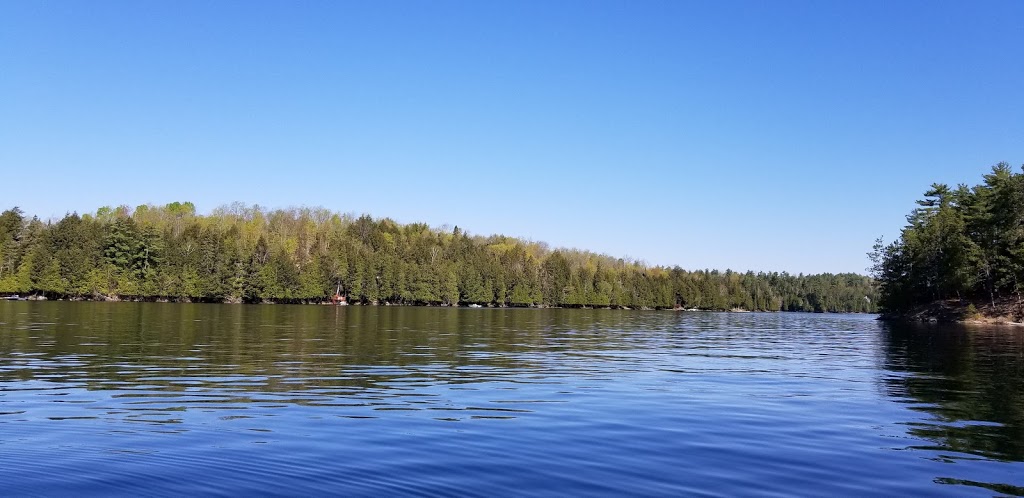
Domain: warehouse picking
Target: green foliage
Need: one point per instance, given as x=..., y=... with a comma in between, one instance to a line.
x=965, y=243
x=12, y=228
x=303, y=255
x=971, y=311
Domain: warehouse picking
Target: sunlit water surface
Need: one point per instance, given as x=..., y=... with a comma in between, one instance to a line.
x=178, y=399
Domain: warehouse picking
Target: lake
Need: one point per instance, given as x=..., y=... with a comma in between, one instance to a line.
x=196, y=399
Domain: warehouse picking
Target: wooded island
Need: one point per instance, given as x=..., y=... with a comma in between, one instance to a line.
x=242, y=253
x=961, y=255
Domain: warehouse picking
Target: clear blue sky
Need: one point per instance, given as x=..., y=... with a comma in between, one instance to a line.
x=782, y=135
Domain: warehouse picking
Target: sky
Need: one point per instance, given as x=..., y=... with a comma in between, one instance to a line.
x=765, y=136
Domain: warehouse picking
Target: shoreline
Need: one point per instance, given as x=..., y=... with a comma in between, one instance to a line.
x=985, y=321
x=327, y=302
x=1005, y=311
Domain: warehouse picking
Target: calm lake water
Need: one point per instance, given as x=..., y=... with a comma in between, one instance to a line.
x=179, y=399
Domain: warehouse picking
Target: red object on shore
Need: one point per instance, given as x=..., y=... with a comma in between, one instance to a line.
x=337, y=298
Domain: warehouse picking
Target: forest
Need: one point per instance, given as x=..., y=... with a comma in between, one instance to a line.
x=241, y=253
x=963, y=244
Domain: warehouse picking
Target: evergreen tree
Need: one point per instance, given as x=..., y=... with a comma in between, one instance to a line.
x=963, y=243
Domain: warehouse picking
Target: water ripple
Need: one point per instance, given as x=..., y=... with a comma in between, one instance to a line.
x=150, y=399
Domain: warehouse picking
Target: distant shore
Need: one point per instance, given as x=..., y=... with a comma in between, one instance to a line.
x=327, y=302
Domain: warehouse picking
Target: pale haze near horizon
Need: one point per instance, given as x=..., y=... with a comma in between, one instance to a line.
x=779, y=136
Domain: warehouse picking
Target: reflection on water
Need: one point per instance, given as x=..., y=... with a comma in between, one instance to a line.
x=170, y=357
x=124, y=398
x=969, y=380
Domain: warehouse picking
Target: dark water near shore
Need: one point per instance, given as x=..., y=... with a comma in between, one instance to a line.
x=174, y=399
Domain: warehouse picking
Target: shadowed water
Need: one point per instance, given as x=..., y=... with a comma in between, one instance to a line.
x=173, y=399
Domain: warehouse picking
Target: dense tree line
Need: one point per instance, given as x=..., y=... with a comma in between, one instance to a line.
x=249, y=254
x=965, y=243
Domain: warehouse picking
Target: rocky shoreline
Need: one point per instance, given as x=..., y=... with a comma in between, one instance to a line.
x=1006, y=311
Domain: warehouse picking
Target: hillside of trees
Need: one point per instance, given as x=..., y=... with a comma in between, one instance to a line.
x=961, y=245
x=240, y=253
